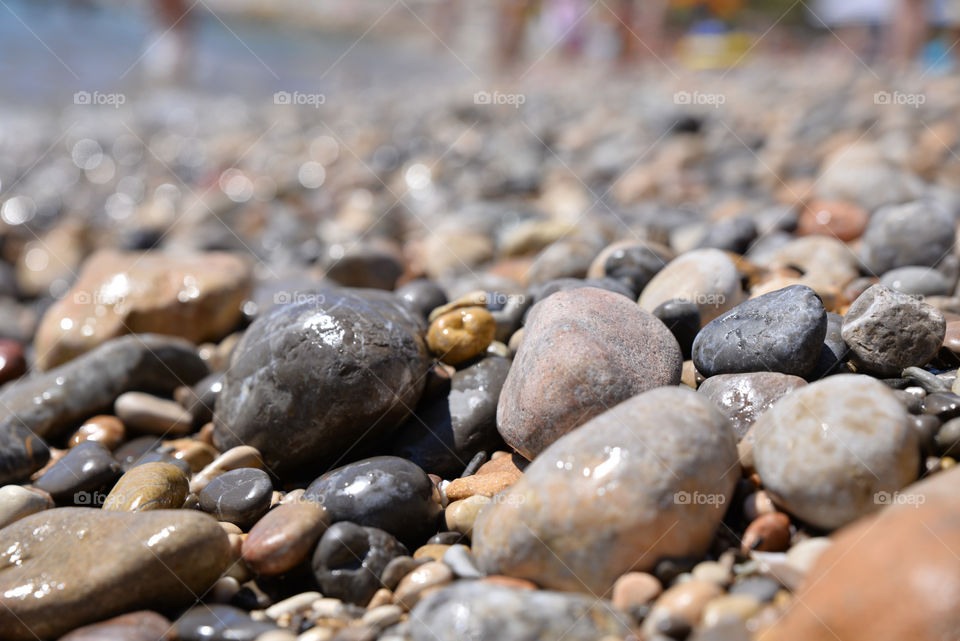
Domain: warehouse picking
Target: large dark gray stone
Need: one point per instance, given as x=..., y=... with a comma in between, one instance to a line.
x=311, y=380
x=782, y=331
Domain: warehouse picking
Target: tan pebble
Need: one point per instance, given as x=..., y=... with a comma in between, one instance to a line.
x=757, y=504
x=685, y=601
x=767, y=533
x=730, y=607
x=277, y=635
x=493, y=477
x=383, y=596
x=476, y=298
x=382, y=616
x=510, y=582
x=152, y=415
x=804, y=554
x=230, y=528
x=689, y=375
x=712, y=571
x=196, y=454
x=327, y=608
x=434, y=551
x=224, y=590
x=232, y=459
x=428, y=575
x=462, y=334
x=103, y=428
x=205, y=435
x=319, y=633
x=635, y=589
x=515, y=339
x=151, y=486
x=292, y=605
x=17, y=502
x=460, y=515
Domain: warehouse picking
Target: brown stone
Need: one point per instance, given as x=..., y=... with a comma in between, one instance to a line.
x=103, y=428
x=889, y=577
x=284, y=537
x=142, y=625
x=635, y=589
x=461, y=334
x=767, y=533
x=684, y=601
x=487, y=484
x=196, y=297
x=843, y=220
x=427, y=576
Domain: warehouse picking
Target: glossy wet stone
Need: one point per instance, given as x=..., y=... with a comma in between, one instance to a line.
x=216, y=622
x=21, y=452
x=239, y=496
x=447, y=431
x=350, y=559
x=888, y=332
x=522, y=533
x=103, y=428
x=200, y=399
x=633, y=263
x=917, y=281
x=584, y=351
x=85, y=473
x=150, y=414
x=285, y=536
x=682, y=318
x=60, y=553
x=782, y=331
x=143, y=625
x=17, y=502
x=542, y=291
x=384, y=492
x=69, y=394
x=489, y=611
x=461, y=334
x=742, y=398
x=825, y=452
x=357, y=360
x=151, y=486
x=422, y=295
x=12, y=361
x=196, y=297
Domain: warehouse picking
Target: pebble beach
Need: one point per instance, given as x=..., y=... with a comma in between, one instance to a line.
x=595, y=356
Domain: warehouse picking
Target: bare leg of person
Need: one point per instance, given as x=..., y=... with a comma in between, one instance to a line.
x=511, y=27
x=908, y=29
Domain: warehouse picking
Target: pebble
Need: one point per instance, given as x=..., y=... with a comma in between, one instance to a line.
x=50, y=404
x=183, y=553
x=80, y=477
x=285, y=536
x=684, y=602
x=947, y=438
x=103, y=428
x=824, y=452
x=682, y=318
x=706, y=277
x=761, y=588
x=149, y=414
x=434, y=551
x=888, y=332
x=462, y=334
x=634, y=590
x=449, y=429
x=584, y=351
x=359, y=352
x=712, y=571
x=834, y=352
x=397, y=568
x=491, y=479
x=235, y=458
x=422, y=295
x=461, y=515
x=843, y=220
x=918, y=233
x=782, y=331
x=220, y=623
x=917, y=281
x=292, y=605
x=851, y=587
x=680, y=479
x=632, y=262
x=13, y=364
x=383, y=616
x=17, y=502
x=383, y=492
x=767, y=533
x=462, y=562
x=142, y=625
x=491, y=611
x=743, y=398
x=239, y=496
x=736, y=607
x=151, y=486
x=350, y=559
x=195, y=297
x=421, y=581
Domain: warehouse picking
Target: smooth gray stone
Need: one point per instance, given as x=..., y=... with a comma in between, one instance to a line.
x=917, y=233
x=475, y=610
x=917, y=281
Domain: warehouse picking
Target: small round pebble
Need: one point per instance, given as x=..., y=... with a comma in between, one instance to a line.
x=284, y=537
x=103, y=428
x=767, y=533
x=239, y=496
x=153, y=415
x=462, y=334
x=151, y=486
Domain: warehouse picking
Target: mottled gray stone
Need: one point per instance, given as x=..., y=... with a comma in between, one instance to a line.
x=742, y=398
x=917, y=233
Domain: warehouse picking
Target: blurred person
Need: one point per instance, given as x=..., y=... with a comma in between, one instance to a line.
x=170, y=50
x=511, y=28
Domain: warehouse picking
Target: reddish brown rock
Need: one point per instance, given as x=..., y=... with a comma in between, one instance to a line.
x=767, y=533
x=284, y=537
x=584, y=350
x=142, y=625
x=843, y=220
x=887, y=578
x=197, y=297
x=12, y=363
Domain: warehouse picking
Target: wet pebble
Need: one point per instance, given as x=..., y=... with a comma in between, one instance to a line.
x=142, y=625
x=743, y=398
x=284, y=537
x=151, y=486
x=462, y=334
x=81, y=476
x=239, y=496
x=17, y=502
x=103, y=428
x=220, y=623
x=350, y=559
x=152, y=415
x=13, y=364
x=706, y=277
